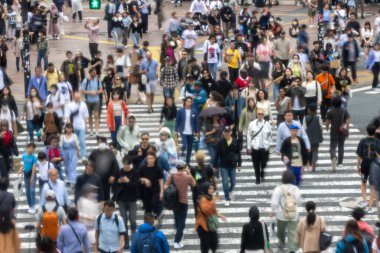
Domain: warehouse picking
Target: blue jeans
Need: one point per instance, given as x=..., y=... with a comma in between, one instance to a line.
x=297, y=173
x=31, y=127
x=117, y=125
x=228, y=181
x=276, y=92
x=42, y=55
x=212, y=67
x=211, y=147
x=180, y=214
x=30, y=190
x=116, y=33
x=187, y=143
x=82, y=143
x=169, y=92
x=136, y=38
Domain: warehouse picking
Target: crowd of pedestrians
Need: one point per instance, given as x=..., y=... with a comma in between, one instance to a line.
x=249, y=63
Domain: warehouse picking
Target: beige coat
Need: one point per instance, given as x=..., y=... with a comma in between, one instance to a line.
x=308, y=237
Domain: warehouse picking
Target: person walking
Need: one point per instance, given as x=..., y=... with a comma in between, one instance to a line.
x=327, y=82
x=189, y=37
x=313, y=94
x=373, y=64
x=169, y=78
x=255, y=236
x=374, y=177
x=71, y=71
x=42, y=49
x=149, y=68
x=66, y=242
x=128, y=136
x=206, y=209
x=297, y=94
x=109, y=230
x=125, y=193
x=109, y=11
x=117, y=114
x=350, y=55
x=61, y=196
x=211, y=55
x=70, y=152
x=182, y=179
x=186, y=125
x=38, y=82
x=160, y=243
x=314, y=129
x=286, y=213
x=32, y=112
x=259, y=137
x=294, y=153
x=229, y=159
x=352, y=238
x=339, y=118
x=92, y=25
x=309, y=229
x=283, y=104
x=29, y=165
x=233, y=59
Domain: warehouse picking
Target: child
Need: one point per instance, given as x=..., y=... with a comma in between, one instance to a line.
x=52, y=122
x=53, y=154
x=126, y=23
x=43, y=167
x=17, y=45
x=12, y=23
x=29, y=161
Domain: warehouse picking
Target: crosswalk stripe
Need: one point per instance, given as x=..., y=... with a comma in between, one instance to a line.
x=322, y=186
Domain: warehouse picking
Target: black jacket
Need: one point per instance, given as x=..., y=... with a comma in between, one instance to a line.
x=208, y=84
x=85, y=179
x=126, y=192
x=228, y=156
x=286, y=150
x=252, y=237
x=223, y=87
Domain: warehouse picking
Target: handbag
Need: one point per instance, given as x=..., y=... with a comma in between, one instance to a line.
x=342, y=128
x=334, y=64
x=212, y=223
x=324, y=239
x=267, y=248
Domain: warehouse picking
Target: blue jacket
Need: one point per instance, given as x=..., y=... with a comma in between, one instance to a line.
x=230, y=101
x=346, y=51
x=41, y=88
x=161, y=243
x=349, y=238
x=181, y=120
x=199, y=100
x=370, y=60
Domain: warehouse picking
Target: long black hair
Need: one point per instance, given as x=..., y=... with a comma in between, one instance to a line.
x=310, y=209
x=203, y=190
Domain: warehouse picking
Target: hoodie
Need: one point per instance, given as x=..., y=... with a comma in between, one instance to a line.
x=161, y=243
x=349, y=238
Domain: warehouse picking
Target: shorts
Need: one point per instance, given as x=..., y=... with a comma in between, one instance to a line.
x=364, y=173
x=151, y=87
x=93, y=106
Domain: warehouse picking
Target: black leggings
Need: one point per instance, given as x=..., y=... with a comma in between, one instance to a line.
x=209, y=240
x=375, y=71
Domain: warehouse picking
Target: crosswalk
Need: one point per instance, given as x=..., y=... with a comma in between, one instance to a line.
x=327, y=189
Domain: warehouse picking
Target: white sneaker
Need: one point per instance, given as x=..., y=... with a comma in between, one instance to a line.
x=227, y=203
x=333, y=163
x=178, y=245
x=32, y=210
x=232, y=196
x=370, y=210
x=363, y=204
x=91, y=133
x=340, y=166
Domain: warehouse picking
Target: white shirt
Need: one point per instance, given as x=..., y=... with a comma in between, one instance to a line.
x=216, y=4
x=313, y=89
x=263, y=137
x=1, y=80
x=123, y=62
x=377, y=56
x=341, y=17
x=187, y=129
x=8, y=117
x=58, y=102
x=212, y=52
x=374, y=246
x=190, y=38
x=43, y=169
x=79, y=121
x=65, y=88
x=198, y=6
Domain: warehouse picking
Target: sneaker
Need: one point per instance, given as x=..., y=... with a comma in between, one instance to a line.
x=334, y=164
x=178, y=245
x=31, y=210
x=370, y=210
x=340, y=166
x=363, y=203
x=227, y=203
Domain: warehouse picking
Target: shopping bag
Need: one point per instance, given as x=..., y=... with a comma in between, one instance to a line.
x=17, y=187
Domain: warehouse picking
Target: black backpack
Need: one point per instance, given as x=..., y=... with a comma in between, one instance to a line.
x=116, y=220
x=369, y=152
x=171, y=195
x=354, y=246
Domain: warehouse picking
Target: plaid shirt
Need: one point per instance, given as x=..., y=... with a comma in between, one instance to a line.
x=169, y=77
x=43, y=44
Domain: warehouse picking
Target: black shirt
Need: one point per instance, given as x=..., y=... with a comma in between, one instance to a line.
x=137, y=159
x=98, y=68
x=286, y=82
x=169, y=113
x=207, y=84
x=337, y=117
x=202, y=174
x=342, y=84
x=242, y=48
x=154, y=174
x=126, y=192
x=105, y=163
x=223, y=87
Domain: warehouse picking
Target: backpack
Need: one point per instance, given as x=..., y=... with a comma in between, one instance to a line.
x=171, y=196
x=50, y=223
x=290, y=205
x=146, y=243
x=353, y=246
x=116, y=220
x=88, y=83
x=369, y=152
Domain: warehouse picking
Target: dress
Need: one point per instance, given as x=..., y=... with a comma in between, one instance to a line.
x=70, y=157
x=53, y=23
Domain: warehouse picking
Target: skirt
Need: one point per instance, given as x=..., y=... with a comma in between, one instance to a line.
x=171, y=125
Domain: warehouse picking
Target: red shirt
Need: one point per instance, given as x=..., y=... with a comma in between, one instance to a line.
x=243, y=83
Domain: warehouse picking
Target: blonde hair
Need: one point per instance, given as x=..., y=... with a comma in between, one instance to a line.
x=200, y=155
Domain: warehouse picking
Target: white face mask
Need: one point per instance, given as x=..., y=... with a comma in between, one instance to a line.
x=102, y=146
x=295, y=60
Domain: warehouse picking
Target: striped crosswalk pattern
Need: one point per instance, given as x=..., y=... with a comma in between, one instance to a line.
x=323, y=186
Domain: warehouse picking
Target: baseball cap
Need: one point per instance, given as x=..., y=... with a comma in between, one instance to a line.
x=293, y=126
x=180, y=164
x=50, y=194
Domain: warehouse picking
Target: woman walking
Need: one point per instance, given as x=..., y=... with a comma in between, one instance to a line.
x=277, y=76
x=7, y=145
x=53, y=23
x=77, y=8
x=313, y=93
x=342, y=83
x=255, y=234
x=247, y=115
x=32, y=112
x=206, y=210
x=313, y=127
x=283, y=104
x=168, y=114
x=264, y=53
x=352, y=236
x=263, y=103
x=136, y=31
x=117, y=113
x=297, y=93
x=309, y=229
x=70, y=152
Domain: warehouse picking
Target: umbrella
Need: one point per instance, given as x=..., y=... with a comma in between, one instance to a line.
x=211, y=111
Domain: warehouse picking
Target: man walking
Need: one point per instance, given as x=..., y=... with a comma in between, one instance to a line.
x=38, y=81
x=169, y=78
x=93, y=35
x=129, y=136
x=92, y=89
x=149, y=67
x=375, y=178
x=189, y=37
x=258, y=143
x=182, y=179
x=229, y=158
x=61, y=196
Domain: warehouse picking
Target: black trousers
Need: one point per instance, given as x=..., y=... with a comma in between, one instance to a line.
x=333, y=144
x=259, y=160
x=79, y=14
x=325, y=106
x=234, y=74
x=375, y=71
x=144, y=21
x=209, y=240
x=299, y=115
x=309, y=101
x=352, y=65
x=93, y=49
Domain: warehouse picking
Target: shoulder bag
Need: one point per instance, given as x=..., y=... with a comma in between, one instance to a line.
x=324, y=238
x=76, y=235
x=342, y=128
